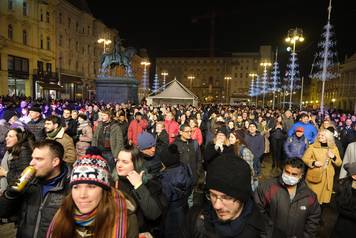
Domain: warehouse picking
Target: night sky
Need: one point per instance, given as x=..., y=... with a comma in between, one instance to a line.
x=241, y=26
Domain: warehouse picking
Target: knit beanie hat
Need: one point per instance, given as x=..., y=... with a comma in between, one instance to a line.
x=230, y=175
x=91, y=169
x=350, y=168
x=145, y=140
x=9, y=114
x=170, y=155
x=35, y=108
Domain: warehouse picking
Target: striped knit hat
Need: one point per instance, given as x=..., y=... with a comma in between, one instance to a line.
x=91, y=169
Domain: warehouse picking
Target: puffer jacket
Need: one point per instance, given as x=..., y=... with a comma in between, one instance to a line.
x=298, y=218
x=36, y=211
x=17, y=165
x=295, y=147
x=37, y=128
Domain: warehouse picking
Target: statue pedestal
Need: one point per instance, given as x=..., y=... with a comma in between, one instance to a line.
x=114, y=89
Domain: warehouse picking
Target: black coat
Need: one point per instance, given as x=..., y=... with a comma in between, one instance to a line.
x=151, y=203
x=37, y=128
x=298, y=218
x=17, y=165
x=202, y=223
x=36, y=211
x=346, y=206
x=162, y=141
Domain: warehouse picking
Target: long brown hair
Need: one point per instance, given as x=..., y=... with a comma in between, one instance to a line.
x=104, y=221
x=24, y=138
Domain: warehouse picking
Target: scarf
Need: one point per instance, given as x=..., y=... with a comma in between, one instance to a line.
x=53, y=134
x=88, y=219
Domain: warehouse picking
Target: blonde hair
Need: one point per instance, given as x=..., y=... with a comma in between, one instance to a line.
x=329, y=137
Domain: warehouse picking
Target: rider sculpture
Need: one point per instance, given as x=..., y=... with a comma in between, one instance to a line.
x=119, y=57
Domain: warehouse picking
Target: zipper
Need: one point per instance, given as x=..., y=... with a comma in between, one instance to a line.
x=39, y=216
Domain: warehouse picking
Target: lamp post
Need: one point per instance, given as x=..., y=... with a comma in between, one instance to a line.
x=105, y=42
x=333, y=100
x=145, y=63
x=191, y=77
x=164, y=74
x=253, y=75
x=294, y=35
x=264, y=64
x=227, y=78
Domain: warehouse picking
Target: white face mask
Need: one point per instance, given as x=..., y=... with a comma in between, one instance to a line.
x=289, y=180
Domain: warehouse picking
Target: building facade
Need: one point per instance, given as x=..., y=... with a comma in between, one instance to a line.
x=27, y=44
x=49, y=48
x=215, y=79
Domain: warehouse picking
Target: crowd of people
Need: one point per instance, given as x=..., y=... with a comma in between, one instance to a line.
x=124, y=170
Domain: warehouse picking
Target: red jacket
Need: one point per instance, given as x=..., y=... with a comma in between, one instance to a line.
x=196, y=135
x=135, y=129
x=172, y=128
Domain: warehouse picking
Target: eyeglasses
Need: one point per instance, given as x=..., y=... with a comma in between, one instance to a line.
x=225, y=199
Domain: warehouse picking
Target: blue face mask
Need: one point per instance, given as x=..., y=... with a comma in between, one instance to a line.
x=289, y=180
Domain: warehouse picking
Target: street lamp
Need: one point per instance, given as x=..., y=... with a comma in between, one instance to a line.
x=191, y=77
x=164, y=74
x=105, y=42
x=333, y=100
x=253, y=75
x=264, y=64
x=145, y=63
x=294, y=36
x=227, y=78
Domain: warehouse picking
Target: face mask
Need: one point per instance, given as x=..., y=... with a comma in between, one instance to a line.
x=289, y=180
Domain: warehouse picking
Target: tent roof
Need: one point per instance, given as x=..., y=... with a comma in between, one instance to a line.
x=175, y=90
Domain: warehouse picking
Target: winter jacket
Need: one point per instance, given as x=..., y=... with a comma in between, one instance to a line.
x=135, y=129
x=297, y=218
x=349, y=157
x=162, y=141
x=255, y=143
x=17, y=165
x=37, y=128
x=346, y=207
x=310, y=132
x=85, y=134
x=202, y=222
x=172, y=128
x=197, y=135
x=67, y=142
x=116, y=138
x=4, y=128
x=36, y=211
x=287, y=123
x=316, y=152
x=295, y=147
x=151, y=203
x=347, y=136
x=189, y=154
x=71, y=126
x=177, y=185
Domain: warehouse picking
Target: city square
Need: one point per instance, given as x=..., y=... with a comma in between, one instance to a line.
x=179, y=119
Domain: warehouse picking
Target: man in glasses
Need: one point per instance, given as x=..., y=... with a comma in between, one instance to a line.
x=229, y=210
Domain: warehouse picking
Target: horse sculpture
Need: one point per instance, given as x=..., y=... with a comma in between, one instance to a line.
x=120, y=57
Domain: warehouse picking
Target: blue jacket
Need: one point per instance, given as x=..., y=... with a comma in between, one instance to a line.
x=310, y=132
x=295, y=147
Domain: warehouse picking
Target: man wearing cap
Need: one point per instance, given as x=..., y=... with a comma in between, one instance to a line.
x=229, y=210
x=136, y=127
x=108, y=137
x=39, y=201
x=146, y=143
x=290, y=207
x=310, y=132
x=296, y=145
x=36, y=125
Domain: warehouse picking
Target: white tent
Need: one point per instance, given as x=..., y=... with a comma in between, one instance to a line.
x=174, y=93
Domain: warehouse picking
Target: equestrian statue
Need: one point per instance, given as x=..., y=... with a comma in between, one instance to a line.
x=119, y=57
